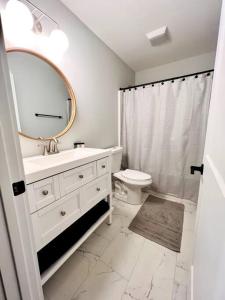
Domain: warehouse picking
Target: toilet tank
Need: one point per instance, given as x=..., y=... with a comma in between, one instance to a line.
x=116, y=158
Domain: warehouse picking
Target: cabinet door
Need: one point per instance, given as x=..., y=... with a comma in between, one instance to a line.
x=75, y=178
x=50, y=221
x=94, y=192
x=103, y=166
x=43, y=193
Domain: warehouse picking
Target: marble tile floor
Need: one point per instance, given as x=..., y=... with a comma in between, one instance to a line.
x=115, y=263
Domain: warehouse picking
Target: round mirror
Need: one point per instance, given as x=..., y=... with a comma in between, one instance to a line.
x=44, y=100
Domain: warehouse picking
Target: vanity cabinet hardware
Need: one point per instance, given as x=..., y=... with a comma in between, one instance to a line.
x=98, y=189
x=102, y=166
x=63, y=213
x=81, y=176
x=45, y=192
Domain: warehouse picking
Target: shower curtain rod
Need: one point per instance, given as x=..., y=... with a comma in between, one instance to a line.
x=164, y=80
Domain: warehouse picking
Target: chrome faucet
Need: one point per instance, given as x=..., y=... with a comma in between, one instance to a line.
x=53, y=146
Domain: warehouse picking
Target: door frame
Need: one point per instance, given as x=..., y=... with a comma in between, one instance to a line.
x=9, y=287
x=15, y=207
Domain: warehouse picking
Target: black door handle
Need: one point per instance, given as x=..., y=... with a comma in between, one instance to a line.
x=196, y=168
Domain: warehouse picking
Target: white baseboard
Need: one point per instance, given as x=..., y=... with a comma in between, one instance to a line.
x=164, y=196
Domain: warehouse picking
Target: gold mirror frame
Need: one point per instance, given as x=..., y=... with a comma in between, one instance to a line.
x=69, y=89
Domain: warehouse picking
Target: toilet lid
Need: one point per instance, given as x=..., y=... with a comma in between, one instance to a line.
x=135, y=175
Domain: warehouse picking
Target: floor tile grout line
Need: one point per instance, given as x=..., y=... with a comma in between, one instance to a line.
x=134, y=267
x=88, y=275
x=114, y=270
x=89, y=271
x=174, y=276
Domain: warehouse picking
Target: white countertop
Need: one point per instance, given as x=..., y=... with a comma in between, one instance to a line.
x=40, y=167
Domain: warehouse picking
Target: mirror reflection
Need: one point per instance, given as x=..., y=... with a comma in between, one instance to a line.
x=41, y=98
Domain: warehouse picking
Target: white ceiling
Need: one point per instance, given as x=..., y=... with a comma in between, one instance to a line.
x=122, y=25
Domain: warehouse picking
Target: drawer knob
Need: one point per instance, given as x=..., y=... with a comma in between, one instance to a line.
x=103, y=166
x=98, y=189
x=45, y=192
x=81, y=176
x=63, y=213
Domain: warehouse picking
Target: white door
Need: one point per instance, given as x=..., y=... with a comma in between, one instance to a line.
x=16, y=216
x=209, y=252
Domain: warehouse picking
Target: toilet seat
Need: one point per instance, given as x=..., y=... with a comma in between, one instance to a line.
x=137, y=181
x=135, y=175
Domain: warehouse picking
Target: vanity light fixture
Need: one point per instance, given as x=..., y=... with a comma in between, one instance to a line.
x=23, y=28
x=18, y=23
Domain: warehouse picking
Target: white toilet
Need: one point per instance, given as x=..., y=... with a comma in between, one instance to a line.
x=130, y=182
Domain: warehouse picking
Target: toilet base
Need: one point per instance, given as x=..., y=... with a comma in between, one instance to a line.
x=130, y=194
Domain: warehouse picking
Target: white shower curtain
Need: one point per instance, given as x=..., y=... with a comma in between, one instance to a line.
x=163, y=132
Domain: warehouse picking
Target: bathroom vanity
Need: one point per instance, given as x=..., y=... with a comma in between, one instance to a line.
x=62, y=188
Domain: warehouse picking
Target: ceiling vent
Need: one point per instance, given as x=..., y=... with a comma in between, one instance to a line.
x=157, y=35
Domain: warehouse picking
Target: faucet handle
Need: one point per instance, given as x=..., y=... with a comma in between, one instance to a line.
x=45, y=150
x=45, y=147
x=53, y=148
x=56, y=150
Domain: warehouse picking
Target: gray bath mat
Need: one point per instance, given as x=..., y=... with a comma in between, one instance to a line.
x=160, y=221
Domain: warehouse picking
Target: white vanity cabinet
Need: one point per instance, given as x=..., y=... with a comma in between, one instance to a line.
x=75, y=178
x=70, y=191
x=43, y=192
x=53, y=219
x=93, y=192
x=103, y=166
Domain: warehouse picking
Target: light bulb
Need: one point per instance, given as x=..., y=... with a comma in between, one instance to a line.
x=59, y=40
x=18, y=23
x=18, y=15
x=45, y=46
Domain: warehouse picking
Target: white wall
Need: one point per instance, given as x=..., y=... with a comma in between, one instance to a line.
x=96, y=74
x=177, y=68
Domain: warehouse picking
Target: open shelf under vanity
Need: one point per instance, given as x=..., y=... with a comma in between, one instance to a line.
x=69, y=243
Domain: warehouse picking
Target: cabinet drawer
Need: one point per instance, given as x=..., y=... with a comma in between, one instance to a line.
x=103, y=166
x=75, y=178
x=94, y=192
x=43, y=192
x=52, y=220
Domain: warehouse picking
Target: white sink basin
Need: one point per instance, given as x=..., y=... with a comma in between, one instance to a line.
x=38, y=167
x=47, y=161
x=62, y=157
